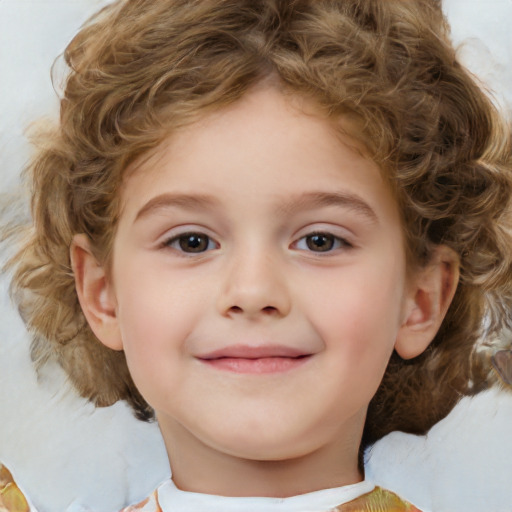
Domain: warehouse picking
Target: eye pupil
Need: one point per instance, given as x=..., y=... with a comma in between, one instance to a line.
x=320, y=242
x=193, y=243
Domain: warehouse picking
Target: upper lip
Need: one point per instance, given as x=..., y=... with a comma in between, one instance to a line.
x=254, y=352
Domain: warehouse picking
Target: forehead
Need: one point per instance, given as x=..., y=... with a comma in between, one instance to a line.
x=267, y=144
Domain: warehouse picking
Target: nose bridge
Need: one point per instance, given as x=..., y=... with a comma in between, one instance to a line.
x=255, y=282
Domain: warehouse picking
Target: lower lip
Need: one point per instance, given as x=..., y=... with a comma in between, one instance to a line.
x=259, y=365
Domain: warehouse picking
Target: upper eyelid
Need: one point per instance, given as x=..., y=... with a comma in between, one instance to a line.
x=325, y=228
x=185, y=229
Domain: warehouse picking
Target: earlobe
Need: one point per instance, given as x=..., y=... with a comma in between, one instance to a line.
x=431, y=293
x=95, y=293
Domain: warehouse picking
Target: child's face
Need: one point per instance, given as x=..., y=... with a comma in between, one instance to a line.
x=258, y=281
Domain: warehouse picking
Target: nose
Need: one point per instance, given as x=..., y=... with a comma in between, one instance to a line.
x=254, y=286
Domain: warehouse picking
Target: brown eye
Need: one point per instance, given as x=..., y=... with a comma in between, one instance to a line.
x=320, y=242
x=191, y=243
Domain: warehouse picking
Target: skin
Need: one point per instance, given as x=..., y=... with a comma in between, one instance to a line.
x=225, y=268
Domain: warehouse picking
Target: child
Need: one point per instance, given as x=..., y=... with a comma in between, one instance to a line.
x=285, y=222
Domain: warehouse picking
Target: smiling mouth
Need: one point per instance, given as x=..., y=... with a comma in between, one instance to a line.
x=255, y=360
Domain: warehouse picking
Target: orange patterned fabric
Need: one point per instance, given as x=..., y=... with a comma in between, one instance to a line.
x=150, y=504
x=379, y=500
x=11, y=498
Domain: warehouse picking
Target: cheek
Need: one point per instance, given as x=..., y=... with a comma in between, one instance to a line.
x=358, y=314
x=153, y=342
x=153, y=303
x=155, y=313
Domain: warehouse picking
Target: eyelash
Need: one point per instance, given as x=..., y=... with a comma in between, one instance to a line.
x=176, y=242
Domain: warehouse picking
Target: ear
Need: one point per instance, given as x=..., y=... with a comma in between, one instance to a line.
x=95, y=293
x=429, y=296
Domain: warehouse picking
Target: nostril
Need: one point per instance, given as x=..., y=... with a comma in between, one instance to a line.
x=266, y=309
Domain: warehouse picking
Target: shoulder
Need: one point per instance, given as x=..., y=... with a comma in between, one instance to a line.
x=379, y=500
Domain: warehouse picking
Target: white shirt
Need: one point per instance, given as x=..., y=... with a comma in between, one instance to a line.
x=172, y=499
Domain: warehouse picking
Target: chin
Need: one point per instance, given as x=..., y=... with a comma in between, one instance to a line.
x=262, y=444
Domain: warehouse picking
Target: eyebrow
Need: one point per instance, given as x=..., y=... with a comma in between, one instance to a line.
x=168, y=200
x=312, y=200
x=305, y=201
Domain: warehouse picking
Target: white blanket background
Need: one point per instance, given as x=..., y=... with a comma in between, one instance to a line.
x=69, y=456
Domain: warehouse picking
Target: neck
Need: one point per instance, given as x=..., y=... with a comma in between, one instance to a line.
x=197, y=467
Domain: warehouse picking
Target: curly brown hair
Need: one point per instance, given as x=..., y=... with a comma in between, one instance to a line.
x=140, y=69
